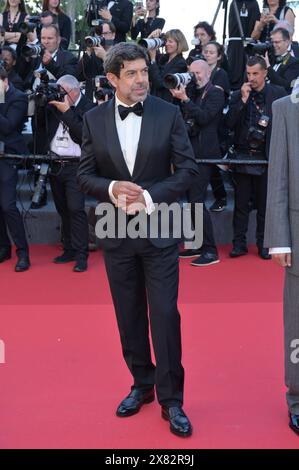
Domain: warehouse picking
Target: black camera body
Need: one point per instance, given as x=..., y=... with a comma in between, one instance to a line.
x=260, y=48
x=102, y=88
x=46, y=92
x=256, y=136
x=32, y=23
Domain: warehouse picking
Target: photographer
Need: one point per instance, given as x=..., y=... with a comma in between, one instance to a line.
x=91, y=63
x=202, y=107
x=9, y=58
x=145, y=20
x=120, y=13
x=273, y=12
x=59, y=129
x=64, y=21
x=171, y=62
x=13, y=113
x=286, y=68
x=250, y=117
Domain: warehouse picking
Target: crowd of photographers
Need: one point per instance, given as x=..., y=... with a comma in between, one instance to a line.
x=225, y=95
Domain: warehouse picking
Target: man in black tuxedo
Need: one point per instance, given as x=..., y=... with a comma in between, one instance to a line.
x=130, y=145
x=286, y=68
x=59, y=129
x=120, y=13
x=13, y=113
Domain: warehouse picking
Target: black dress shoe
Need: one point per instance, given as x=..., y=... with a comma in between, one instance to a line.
x=66, y=257
x=134, y=401
x=238, y=251
x=294, y=423
x=179, y=422
x=23, y=264
x=80, y=266
x=5, y=254
x=264, y=253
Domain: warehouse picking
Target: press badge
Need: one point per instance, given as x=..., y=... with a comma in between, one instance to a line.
x=62, y=141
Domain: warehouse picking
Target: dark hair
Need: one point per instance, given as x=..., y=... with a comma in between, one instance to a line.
x=54, y=26
x=257, y=60
x=46, y=6
x=3, y=74
x=99, y=29
x=208, y=29
x=11, y=51
x=282, y=3
x=22, y=7
x=284, y=32
x=46, y=13
x=121, y=52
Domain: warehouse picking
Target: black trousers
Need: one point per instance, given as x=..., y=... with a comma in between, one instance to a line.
x=9, y=214
x=197, y=194
x=217, y=184
x=70, y=205
x=141, y=276
x=245, y=186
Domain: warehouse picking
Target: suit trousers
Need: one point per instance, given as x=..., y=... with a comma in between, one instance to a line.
x=70, y=205
x=9, y=214
x=291, y=340
x=247, y=186
x=197, y=194
x=143, y=277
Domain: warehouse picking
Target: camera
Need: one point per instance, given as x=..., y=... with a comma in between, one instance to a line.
x=260, y=48
x=152, y=43
x=257, y=134
x=94, y=41
x=41, y=184
x=102, y=88
x=174, y=80
x=46, y=91
x=100, y=4
x=30, y=25
x=32, y=50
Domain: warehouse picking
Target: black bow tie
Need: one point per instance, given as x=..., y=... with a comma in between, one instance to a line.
x=124, y=111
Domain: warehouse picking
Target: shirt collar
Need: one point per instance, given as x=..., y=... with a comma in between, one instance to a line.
x=119, y=102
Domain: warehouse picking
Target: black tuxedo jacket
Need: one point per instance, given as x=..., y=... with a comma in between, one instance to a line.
x=13, y=114
x=286, y=74
x=73, y=118
x=163, y=145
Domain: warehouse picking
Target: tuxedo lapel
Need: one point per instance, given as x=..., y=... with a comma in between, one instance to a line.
x=146, y=137
x=113, y=141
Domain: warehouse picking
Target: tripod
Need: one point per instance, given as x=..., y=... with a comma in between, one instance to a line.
x=224, y=4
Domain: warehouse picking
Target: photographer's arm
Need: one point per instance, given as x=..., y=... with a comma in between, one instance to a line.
x=290, y=75
x=68, y=68
x=236, y=107
x=214, y=104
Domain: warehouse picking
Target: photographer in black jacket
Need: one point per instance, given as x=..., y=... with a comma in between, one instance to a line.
x=13, y=114
x=59, y=129
x=250, y=117
x=202, y=107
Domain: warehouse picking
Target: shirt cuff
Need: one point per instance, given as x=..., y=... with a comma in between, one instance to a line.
x=150, y=206
x=280, y=250
x=111, y=193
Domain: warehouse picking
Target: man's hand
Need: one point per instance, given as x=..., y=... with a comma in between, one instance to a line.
x=47, y=57
x=283, y=259
x=267, y=60
x=100, y=52
x=62, y=106
x=131, y=191
x=105, y=14
x=179, y=93
x=245, y=91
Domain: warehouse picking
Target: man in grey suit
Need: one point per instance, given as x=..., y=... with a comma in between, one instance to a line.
x=282, y=233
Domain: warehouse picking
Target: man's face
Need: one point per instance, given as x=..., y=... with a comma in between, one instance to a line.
x=46, y=20
x=72, y=93
x=202, y=73
x=256, y=76
x=49, y=39
x=106, y=33
x=9, y=60
x=132, y=84
x=280, y=45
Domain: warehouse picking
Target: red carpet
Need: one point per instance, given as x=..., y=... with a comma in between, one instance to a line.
x=64, y=374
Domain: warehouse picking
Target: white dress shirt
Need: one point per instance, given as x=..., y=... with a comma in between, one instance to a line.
x=128, y=132
x=62, y=144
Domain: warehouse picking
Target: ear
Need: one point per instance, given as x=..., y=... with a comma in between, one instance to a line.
x=113, y=79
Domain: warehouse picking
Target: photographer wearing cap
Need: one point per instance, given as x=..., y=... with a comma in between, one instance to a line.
x=202, y=107
x=286, y=68
x=59, y=129
x=250, y=117
x=13, y=113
